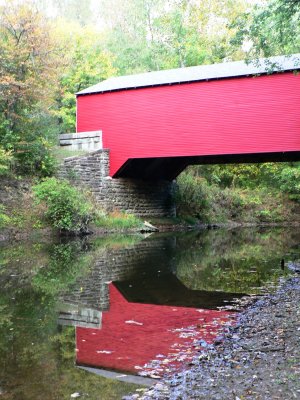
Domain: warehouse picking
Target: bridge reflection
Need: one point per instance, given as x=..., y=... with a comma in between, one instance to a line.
x=145, y=306
x=146, y=339
x=132, y=313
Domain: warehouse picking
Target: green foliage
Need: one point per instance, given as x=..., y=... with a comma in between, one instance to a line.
x=198, y=198
x=289, y=180
x=35, y=158
x=271, y=28
x=155, y=34
x=234, y=193
x=28, y=70
x=68, y=209
x=5, y=161
x=231, y=175
x=282, y=176
x=192, y=194
x=88, y=64
x=4, y=219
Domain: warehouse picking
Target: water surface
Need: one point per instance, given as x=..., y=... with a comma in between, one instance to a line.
x=135, y=305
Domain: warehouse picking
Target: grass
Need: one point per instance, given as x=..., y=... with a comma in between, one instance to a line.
x=117, y=220
x=5, y=220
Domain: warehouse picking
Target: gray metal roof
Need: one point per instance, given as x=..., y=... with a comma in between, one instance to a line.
x=198, y=73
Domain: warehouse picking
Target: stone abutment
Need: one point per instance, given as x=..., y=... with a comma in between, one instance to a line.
x=138, y=197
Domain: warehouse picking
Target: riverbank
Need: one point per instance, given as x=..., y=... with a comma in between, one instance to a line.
x=21, y=218
x=258, y=359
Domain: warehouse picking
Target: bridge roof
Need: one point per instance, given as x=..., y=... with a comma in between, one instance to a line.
x=198, y=73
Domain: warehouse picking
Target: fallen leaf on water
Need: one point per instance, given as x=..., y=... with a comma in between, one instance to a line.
x=103, y=351
x=133, y=322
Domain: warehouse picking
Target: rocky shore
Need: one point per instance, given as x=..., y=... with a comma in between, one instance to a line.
x=258, y=359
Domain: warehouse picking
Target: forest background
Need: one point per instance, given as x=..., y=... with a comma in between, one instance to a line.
x=51, y=49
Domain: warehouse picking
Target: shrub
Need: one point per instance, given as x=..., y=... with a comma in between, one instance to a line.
x=5, y=161
x=192, y=195
x=35, y=158
x=289, y=180
x=68, y=208
x=198, y=198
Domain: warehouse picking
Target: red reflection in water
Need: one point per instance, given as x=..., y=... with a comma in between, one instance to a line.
x=147, y=339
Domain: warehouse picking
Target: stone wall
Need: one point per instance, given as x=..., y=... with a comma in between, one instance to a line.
x=142, y=198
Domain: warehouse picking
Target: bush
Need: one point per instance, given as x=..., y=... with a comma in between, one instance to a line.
x=35, y=158
x=192, y=195
x=289, y=180
x=68, y=208
x=5, y=161
x=197, y=198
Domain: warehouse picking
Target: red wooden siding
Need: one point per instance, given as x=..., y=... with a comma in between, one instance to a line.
x=228, y=116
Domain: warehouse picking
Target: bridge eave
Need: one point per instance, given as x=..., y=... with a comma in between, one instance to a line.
x=168, y=168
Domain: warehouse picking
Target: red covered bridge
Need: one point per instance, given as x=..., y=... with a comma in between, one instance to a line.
x=157, y=123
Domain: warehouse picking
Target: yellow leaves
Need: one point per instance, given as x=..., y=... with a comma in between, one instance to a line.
x=30, y=64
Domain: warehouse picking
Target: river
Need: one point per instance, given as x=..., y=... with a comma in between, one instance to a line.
x=99, y=317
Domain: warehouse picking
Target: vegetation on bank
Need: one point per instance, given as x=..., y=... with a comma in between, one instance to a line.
x=55, y=203
x=117, y=220
x=72, y=209
x=252, y=193
x=67, y=208
x=4, y=218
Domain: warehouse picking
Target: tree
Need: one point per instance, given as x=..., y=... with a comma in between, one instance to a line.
x=87, y=64
x=80, y=11
x=270, y=29
x=199, y=33
x=29, y=66
x=5, y=160
x=74, y=10
x=154, y=34
x=129, y=29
